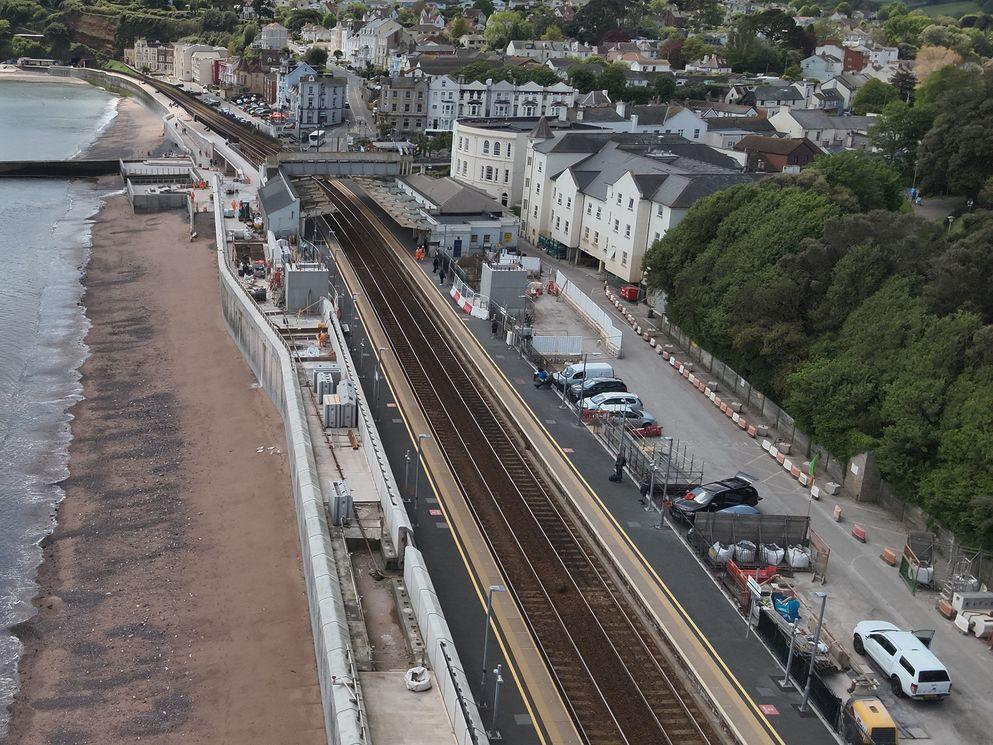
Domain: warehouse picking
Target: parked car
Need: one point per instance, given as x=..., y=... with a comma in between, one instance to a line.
x=635, y=416
x=595, y=386
x=905, y=658
x=716, y=496
x=581, y=371
x=612, y=401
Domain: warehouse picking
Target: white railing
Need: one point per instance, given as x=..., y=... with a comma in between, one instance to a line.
x=592, y=313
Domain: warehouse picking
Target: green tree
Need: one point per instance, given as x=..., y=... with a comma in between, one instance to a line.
x=956, y=155
x=695, y=48
x=505, y=26
x=6, y=35
x=874, y=183
x=905, y=27
x=457, y=28
x=904, y=81
x=356, y=11
x=898, y=130
x=553, y=33
x=316, y=57
x=665, y=88
x=958, y=279
x=843, y=8
x=484, y=5
x=582, y=78
x=613, y=81
x=873, y=97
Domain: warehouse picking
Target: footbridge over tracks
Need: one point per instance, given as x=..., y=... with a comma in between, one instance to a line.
x=341, y=164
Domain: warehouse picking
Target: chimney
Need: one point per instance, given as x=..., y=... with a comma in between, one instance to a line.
x=634, y=122
x=563, y=113
x=580, y=113
x=621, y=108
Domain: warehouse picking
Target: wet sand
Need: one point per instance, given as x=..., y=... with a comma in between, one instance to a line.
x=172, y=605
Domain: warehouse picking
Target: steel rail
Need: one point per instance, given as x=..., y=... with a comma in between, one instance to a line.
x=606, y=612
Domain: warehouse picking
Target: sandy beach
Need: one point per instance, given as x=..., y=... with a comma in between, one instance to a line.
x=172, y=605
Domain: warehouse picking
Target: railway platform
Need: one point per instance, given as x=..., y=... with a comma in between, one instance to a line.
x=741, y=670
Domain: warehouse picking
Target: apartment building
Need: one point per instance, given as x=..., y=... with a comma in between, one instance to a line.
x=607, y=197
x=154, y=56
x=403, y=106
x=542, y=51
x=318, y=101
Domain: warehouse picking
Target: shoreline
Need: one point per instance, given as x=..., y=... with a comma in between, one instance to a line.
x=170, y=599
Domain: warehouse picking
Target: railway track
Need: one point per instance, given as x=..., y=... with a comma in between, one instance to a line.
x=255, y=146
x=613, y=676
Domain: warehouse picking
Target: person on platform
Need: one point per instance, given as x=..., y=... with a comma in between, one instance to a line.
x=541, y=378
x=441, y=277
x=434, y=265
x=619, y=464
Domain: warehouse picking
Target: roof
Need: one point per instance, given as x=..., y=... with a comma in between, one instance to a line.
x=746, y=123
x=772, y=145
x=662, y=170
x=277, y=194
x=450, y=196
x=593, y=98
x=542, y=130
x=775, y=93
x=820, y=119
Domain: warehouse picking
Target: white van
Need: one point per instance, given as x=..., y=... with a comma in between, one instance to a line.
x=581, y=371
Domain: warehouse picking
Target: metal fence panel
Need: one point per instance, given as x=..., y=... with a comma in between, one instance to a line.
x=557, y=346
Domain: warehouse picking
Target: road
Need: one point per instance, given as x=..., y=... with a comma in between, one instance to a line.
x=361, y=124
x=859, y=584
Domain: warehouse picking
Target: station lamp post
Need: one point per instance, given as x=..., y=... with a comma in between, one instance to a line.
x=486, y=640
x=822, y=596
x=417, y=473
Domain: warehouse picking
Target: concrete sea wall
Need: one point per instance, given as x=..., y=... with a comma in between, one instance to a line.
x=270, y=361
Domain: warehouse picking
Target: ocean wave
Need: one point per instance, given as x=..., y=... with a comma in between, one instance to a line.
x=35, y=455
x=101, y=125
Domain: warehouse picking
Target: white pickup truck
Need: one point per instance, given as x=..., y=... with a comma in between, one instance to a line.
x=904, y=658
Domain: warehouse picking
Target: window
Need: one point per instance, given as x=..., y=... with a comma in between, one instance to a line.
x=597, y=213
x=537, y=188
x=586, y=233
x=596, y=238
x=907, y=666
x=496, y=148
x=558, y=222
x=536, y=210
x=658, y=237
x=489, y=173
x=406, y=107
x=627, y=231
x=508, y=150
x=618, y=199
x=696, y=134
x=589, y=209
x=504, y=199
x=486, y=239
x=624, y=258
x=661, y=210
x=486, y=147
x=465, y=165
x=630, y=204
x=506, y=176
x=883, y=642
x=567, y=226
x=560, y=199
x=617, y=225
x=568, y=202
x=539, y=168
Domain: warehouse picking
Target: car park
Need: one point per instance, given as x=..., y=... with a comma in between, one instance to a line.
x=716, y=496
x=612, y=401
x=595, y=386
x=905, y=659
x=581, y=371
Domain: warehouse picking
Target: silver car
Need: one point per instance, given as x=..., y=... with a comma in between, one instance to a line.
x=612, y=401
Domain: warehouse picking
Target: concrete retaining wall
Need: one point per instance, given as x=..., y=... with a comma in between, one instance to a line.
x=441, y=651
x=271, y=363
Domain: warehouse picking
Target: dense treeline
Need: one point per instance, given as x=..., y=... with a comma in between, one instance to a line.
x=873, y=327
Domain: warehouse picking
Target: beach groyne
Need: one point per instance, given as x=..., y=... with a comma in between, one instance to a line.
x=82, y=168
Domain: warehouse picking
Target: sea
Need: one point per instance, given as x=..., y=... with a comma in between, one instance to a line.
x=44, y=246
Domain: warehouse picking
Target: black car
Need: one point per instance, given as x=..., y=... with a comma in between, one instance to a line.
x=596, y=386
x=717, y=495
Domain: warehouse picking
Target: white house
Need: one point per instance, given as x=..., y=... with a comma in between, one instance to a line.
x=443, y=103
x=182, y=58
x=505, y=99
x=274, y=36
x=313, y=33
x=711, y=63
x=826, y=131
x=822, y=67
x=318, y=101
x=612, y=204
x=542, y=51
x=289, y=75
